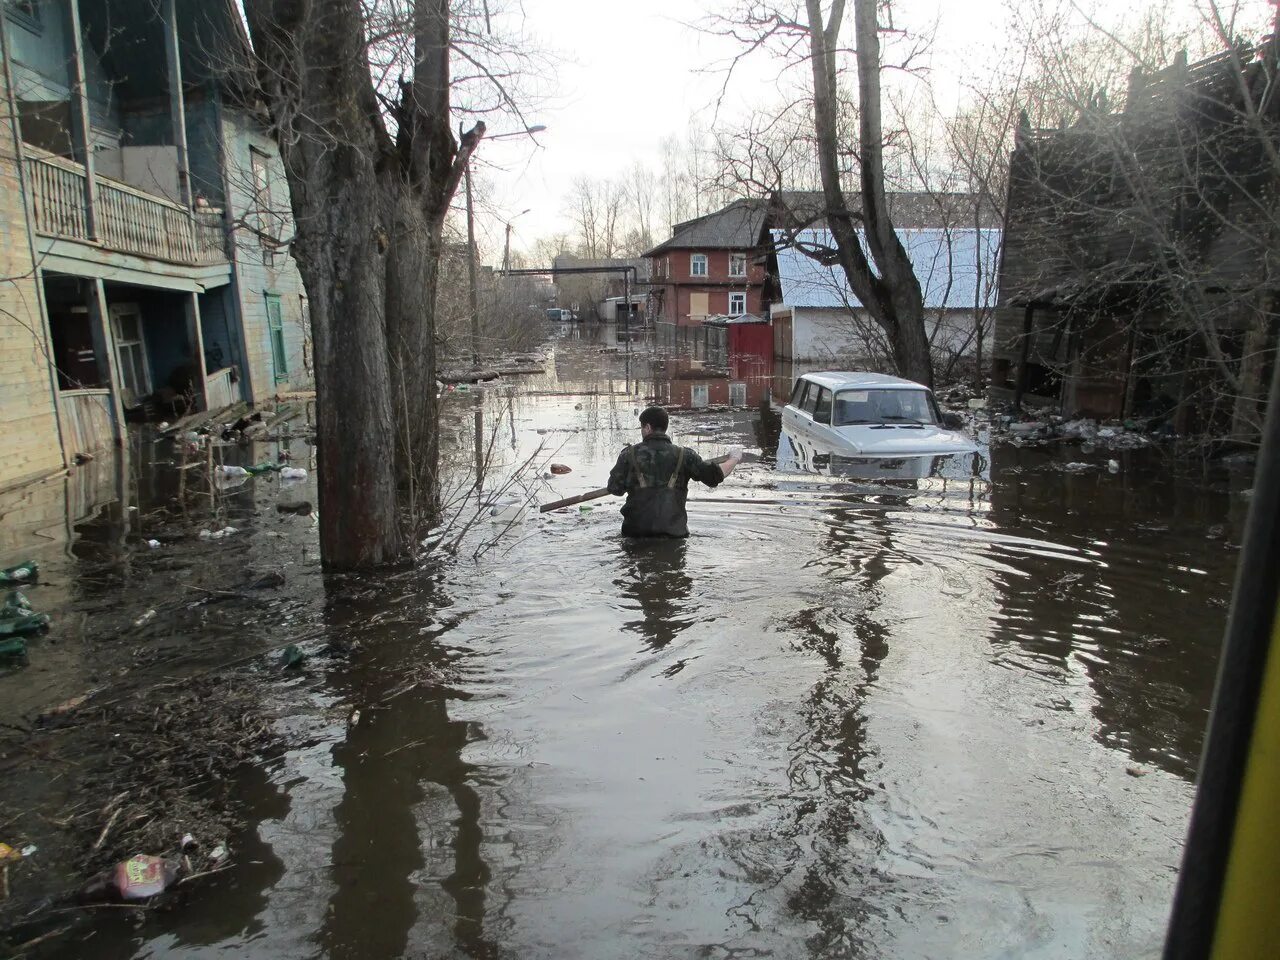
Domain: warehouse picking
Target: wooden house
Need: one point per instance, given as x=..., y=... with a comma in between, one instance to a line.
x=1137, y=276
x=145, y=266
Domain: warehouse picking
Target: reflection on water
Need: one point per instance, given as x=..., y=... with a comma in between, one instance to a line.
x=409, y=814
x=653, y=578
x=850, y=716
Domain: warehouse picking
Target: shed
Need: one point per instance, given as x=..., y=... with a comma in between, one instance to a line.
x=819, y=317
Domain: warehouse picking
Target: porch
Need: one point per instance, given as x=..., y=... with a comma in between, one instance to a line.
x=124, y=351
x=124, y=218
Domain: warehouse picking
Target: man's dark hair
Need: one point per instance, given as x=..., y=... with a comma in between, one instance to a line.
x=655, y=417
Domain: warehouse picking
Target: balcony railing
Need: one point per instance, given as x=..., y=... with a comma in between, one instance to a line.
x=129, y=220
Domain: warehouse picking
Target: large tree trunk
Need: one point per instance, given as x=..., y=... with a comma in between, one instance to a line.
x=369, y=211
x=412, y=276
x=313, y=70
x=890, y=292
x=346, y=284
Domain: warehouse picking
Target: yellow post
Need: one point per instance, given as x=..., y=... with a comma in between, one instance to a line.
x=1249, y=916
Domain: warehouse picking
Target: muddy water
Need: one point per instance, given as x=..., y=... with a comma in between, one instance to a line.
x=844, y=719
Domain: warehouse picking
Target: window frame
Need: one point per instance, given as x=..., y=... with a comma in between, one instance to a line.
x=824, y=396
x=737, y=258
x=26, y=13
x=260, y=178
x=742, y=300
x=132, y=358
x=797, y=392
x=813, y=392
x=699, y=390
x=738, y=393
x=696, y=259
x=275, y=334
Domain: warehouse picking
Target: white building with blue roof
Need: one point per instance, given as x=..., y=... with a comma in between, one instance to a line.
x=818, y=318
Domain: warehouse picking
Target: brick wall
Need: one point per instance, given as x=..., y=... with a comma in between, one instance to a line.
x=29, y=444
x=673, y=269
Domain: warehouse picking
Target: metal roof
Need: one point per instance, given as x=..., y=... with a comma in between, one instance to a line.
x=946, y=263
x=845, y=379
x=735, y=227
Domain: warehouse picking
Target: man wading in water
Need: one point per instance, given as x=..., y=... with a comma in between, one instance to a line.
x=655, y=475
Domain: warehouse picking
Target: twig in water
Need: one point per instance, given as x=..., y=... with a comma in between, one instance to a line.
x=102, y=837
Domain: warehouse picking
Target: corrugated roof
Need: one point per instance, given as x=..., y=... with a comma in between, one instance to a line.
x=736, y=227
x=946, y=263
x=908, y=210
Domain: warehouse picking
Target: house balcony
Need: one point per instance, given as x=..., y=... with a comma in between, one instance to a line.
x=128, y=220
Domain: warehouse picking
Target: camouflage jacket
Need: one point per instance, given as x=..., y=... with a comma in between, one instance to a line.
x=655, y=475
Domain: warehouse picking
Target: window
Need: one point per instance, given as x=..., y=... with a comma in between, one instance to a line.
x=131, y=352
x=698, y=265
x=699, y=395
x=737, y=304
x=25, y=12
x=810, y=401
x=737, y=394
x=275, y=327
x=883, y=406
x=822, y=411
x=737, y=264
x=798, y=392
x=262, y=212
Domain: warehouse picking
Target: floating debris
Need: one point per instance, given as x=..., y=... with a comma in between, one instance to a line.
x=28, y=572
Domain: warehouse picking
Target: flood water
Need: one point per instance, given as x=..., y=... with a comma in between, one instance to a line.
x=846, y=718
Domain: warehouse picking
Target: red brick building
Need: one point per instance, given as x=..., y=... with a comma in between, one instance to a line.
x=710, y=266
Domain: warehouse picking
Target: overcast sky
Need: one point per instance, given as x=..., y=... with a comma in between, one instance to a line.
x=629, y=75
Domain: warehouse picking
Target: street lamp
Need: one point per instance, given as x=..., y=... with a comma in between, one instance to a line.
x=471, y=234
x=506, y=243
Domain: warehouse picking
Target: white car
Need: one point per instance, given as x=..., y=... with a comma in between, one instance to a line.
x=872, y=415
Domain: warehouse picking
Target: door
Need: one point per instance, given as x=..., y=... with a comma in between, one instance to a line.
x=131, y=352
x=698, y=306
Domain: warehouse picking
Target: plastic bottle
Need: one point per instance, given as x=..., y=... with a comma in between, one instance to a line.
x=28, y=572
x=17, y=626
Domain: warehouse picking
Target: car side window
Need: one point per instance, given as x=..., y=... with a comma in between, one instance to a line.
x=822, y=411
x=811, y=399
x=798, y=392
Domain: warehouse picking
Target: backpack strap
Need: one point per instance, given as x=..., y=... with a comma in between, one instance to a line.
x=675, y=474
x=635, y=464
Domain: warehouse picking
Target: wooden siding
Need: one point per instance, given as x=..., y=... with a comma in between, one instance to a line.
x=86, y=421
x=261, y=271
x=28, y=422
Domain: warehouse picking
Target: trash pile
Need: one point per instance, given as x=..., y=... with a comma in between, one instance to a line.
x=18, y=619
x=1110, y=435
x=155, y=794
x=237, y=424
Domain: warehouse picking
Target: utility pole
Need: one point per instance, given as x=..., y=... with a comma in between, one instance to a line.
x=471, y=270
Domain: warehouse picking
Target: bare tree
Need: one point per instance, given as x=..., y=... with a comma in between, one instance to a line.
x=360, y=97
x=878, y=272
x=889, y=290
x=1153, y=214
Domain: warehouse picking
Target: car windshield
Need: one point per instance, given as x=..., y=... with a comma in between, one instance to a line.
x=882, y=406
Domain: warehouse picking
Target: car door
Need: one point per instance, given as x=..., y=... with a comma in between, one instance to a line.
x=790, y=413
x=821, y=416
x=805, y=414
